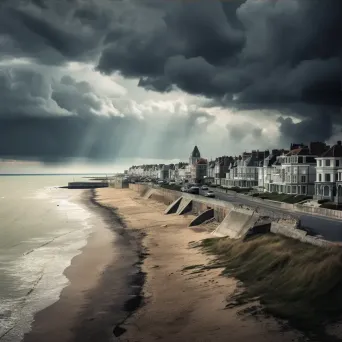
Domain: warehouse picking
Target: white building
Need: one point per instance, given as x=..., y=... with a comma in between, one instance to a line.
x=328, y=183
x=295, y=172
x=244, y=172
x=269, y=171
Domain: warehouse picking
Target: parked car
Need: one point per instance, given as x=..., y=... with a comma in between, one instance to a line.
x=194, y=190
x=184, y=189
x=210, y=194
x=204, y=187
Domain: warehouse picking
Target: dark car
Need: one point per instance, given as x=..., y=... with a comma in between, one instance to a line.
x=194, y=190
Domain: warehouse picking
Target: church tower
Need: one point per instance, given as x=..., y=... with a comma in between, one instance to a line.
x=195, y=155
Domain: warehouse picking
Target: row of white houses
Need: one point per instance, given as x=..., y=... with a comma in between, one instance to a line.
x=314, y=170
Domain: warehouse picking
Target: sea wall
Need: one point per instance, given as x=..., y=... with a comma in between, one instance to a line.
x=337, y=214
x=199, y=204
x=118, y=183
x=291, y=230
x=236, y=221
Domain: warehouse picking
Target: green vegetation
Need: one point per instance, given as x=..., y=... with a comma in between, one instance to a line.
x=331, y=205
x=321, y=201
x=238, y=190
x=294, y=281
x=274, y=196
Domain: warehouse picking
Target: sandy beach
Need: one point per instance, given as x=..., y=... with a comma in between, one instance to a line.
x=180, y=304
x=138, y=252
x=100, y=280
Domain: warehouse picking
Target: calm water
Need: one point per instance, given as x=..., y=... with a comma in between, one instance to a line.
x=42, y=228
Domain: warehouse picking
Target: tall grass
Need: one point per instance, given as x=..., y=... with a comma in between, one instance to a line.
x=292, y=280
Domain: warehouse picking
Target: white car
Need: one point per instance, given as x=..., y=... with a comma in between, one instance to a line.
x=210, y=194
x=204, y=187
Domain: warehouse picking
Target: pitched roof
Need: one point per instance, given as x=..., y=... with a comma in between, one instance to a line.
x=195, y=153
x=302, y=151
x=334, y=151
x=201, y=161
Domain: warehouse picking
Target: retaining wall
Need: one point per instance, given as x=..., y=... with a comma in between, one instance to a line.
x=337, y=214
x=199, y=204
x=318, y=211
x=301, y=235
x=203, y=217
x=237, y=223
x=244, y=218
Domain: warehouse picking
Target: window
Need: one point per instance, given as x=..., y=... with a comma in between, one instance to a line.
x=337, y=163
x=303, y=189
x=294, y=189
x=327, y=162
x=326, y=191
x=327, y=177
x=336, y=177
x=320, y=177
x=300, y=160
x=303, y=179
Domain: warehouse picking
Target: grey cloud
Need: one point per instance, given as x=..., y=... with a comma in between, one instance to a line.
x=52, y=32
x=279, y=55
x=241, y=131
x=54, y=119
x=284, y=56
x=306, y=130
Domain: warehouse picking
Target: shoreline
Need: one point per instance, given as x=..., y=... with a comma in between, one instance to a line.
x=103, y=288
x=180, y=302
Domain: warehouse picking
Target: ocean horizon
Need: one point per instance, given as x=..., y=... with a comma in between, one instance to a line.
x=43, y=227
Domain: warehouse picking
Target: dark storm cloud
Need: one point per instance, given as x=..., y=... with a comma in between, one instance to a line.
x=273, y=54
x=51, y=32
x=279, y=55
x=306, y=130
x=53, y=119
x=270, y=52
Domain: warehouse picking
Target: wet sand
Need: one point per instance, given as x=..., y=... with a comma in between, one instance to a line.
x=180, y=304
x=100, y=280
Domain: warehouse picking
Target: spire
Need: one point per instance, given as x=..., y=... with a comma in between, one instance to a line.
x=195, y=153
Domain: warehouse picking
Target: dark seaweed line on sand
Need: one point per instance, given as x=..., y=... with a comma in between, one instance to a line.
x=137, y=301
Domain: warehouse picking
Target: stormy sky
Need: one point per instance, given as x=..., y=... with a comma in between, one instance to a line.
x=110, y=80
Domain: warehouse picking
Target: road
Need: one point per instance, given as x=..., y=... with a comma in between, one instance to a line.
x=330, y=229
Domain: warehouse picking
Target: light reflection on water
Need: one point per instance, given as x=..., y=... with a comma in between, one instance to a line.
x=41, y=230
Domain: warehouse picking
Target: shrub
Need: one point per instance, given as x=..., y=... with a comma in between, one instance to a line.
x=331, y=206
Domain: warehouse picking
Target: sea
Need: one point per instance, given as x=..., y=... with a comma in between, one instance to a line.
x=42, y=227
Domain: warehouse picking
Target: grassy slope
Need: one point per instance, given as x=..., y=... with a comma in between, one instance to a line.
x=292, y=280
